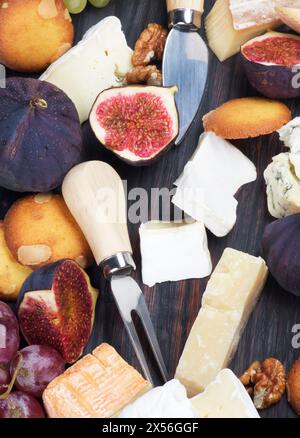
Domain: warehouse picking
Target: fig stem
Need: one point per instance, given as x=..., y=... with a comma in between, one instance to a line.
x=12, y=382
x=36, y=102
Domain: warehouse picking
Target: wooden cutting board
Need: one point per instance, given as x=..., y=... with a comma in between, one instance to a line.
x=174, y=306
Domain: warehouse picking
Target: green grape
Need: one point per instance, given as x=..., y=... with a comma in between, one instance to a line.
x=75, y=6
x=99, y=3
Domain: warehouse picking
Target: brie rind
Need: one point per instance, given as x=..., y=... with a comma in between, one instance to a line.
x=290, y=136
x=225, y=397
x=173, y=252
x=206, y=188
x=283, y=187
x=99, y=61
x=247, y=14
x=168, y=401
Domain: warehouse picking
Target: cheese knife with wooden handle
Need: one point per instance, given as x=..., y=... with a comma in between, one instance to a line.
x=94, y=194
x=185, y=61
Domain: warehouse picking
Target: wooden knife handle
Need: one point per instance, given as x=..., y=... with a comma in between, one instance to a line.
x=197, y=5
x=94, y=194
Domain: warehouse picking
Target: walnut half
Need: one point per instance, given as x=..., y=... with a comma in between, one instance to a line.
x=150, y=45
x=266, y=381
x=148, y=74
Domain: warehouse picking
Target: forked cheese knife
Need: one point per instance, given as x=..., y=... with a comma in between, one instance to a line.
x=185, y=61
x=94, y=193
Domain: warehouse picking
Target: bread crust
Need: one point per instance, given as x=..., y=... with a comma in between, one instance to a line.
x=293, y=387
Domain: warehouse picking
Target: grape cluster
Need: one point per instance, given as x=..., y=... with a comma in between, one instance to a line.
x=77, y=6
x=24, y=374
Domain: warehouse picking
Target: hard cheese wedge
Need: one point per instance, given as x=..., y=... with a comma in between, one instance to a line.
x=173, y=252
x=98, y=386
x=227, y=303
x=225, y=397
x=100, y=61
x=223, y=39
x=168, y=401
x=206, y=188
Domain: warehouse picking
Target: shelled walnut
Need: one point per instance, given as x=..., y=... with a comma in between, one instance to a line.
x=149, y=47
x=265, y=381
x=148, y=74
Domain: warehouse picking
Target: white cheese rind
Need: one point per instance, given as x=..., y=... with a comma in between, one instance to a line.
x=283, y=187
x=173, y=252
x=99, y=61
x=249, y=13
x=225, y=397
x=168, y=401
x=230, y=296
x=290, y=136
x=206, y=188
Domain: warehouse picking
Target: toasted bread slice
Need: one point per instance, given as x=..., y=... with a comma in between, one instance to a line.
x=97, y=386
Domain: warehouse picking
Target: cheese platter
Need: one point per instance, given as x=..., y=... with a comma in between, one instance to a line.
x=222, y=285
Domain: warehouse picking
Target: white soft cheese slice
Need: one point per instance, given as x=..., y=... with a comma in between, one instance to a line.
x=99, y=61
x=249, y=13
x=168, y=401
x=290, y=135
x=173, y=252
x=283, y=187
x=225, y=397
x=206, y=188
x=230, y=296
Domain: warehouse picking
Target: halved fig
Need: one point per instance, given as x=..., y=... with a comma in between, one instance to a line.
x=271, y=62
x=137, y=123
x=56, y=307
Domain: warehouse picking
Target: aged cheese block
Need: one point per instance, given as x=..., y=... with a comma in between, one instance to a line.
x=225, y=397
x=228, y=301
x=223, y=39
x=97, y=386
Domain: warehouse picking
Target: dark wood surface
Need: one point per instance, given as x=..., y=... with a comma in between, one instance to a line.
x=174, y=306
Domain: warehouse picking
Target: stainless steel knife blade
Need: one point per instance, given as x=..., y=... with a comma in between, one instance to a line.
x=129, y=298
x=185, y=64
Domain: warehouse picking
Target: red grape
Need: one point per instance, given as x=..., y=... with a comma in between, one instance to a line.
x=40, y=364
x=20, y=405
x=4, y=380
x=9, y=334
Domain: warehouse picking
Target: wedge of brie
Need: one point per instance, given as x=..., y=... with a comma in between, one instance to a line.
x=206, y=188
x=168, y=401
x=290, y=135
x=173, y=252
x=225, y=397
x=99, y=61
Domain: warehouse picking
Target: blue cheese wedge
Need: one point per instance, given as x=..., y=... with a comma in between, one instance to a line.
x=173, y=252
x=206, y=188
x=283, y=187
x=231, y=294
x=290, y=135
x=168, y=401
x=225, y=397
x=99, y=61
